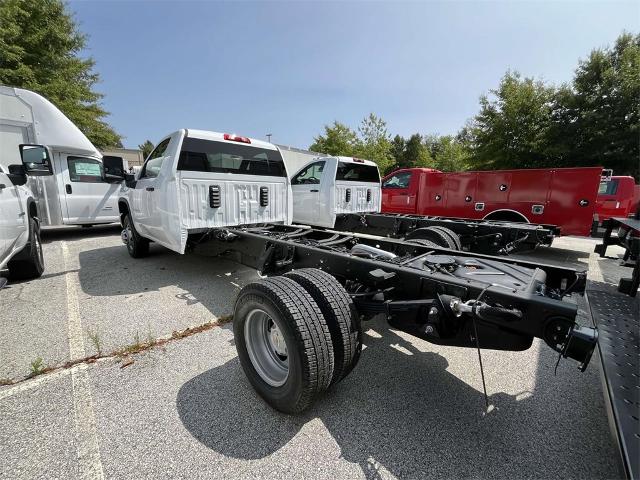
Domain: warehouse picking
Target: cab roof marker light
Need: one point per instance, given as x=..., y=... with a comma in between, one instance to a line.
x=358, y=160
x=236, y=138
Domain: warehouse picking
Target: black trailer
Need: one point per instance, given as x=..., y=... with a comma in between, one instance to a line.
x=483, y=236
x=299, y=331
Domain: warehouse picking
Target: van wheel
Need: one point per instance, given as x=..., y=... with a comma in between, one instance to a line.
x=283, y=343
x=435, y=235
x=29, y=263
x=340, y=314
x=137, y=246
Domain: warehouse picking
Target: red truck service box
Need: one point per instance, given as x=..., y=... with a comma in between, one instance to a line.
x=565, y=197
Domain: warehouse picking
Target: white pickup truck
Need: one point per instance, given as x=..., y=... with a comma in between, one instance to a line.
x=20, y=247
x=197, y=180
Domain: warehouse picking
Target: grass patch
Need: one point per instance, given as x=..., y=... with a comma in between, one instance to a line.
x=37, y=367
x=94, y=336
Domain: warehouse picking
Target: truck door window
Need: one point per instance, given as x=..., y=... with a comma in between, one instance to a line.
x=85, y=170
x=357, y=172
x=198, y=155
x=153, y=165
x=399, y=180
x=310, y=175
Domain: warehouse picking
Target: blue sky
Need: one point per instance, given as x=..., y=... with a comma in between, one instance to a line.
x=288, y=68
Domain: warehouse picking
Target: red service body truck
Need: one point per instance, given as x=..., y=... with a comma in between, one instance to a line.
x=617, y=197
x=565, y=197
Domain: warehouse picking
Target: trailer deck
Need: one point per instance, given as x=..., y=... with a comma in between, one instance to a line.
x=482, y=236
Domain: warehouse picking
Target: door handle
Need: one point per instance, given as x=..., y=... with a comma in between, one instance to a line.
x=67, y=187
x=149, y=189
x=314, y=190
x=2, y=185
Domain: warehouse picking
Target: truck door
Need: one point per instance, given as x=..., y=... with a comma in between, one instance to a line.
x=305, y=186
x=13, y=218
x=147, y=196
x=398, y=192
x=87, y=197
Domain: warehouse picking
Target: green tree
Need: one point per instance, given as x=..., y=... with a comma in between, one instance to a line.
x=338, y=139
x=398, y=144
x=146, y=147
x=598, y=117
x=449, y=154
x=415, y=153
x=39, y=50
x=374, y=142
x=512, y=129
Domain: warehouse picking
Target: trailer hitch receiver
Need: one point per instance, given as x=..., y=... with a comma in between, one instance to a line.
x=581, y=341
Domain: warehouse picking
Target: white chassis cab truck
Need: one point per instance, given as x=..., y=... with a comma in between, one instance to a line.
x=332, y=186
x=196, y=180
x=298, y=332
x=76, y=191
x=20, y=246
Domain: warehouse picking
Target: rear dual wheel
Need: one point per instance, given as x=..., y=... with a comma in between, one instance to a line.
x=440, y=236
x=296, y=335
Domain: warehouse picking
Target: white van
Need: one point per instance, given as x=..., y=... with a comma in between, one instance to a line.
x=75, y=192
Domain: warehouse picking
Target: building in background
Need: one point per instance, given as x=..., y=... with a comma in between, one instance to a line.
x=131, y=156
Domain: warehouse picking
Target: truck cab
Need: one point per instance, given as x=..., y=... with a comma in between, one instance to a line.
x=196, y=180
x=618, y=196
x=330, y=186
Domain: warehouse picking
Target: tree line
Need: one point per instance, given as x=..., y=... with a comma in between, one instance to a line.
x=523, y=123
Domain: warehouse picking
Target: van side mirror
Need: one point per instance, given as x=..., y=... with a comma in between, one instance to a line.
x=17, y=174
x=36, y=159
x=113, y=168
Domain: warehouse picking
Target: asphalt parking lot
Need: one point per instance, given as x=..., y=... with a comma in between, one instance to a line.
x=185, y=410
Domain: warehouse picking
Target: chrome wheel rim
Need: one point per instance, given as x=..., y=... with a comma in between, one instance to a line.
x=266, y=347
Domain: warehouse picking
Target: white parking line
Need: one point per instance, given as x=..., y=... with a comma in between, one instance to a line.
x=33, y=383
x=87, y=447
x=595, y=273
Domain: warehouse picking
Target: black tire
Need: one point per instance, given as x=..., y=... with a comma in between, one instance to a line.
x=309, y=352
x=29, y=263
x=340, y=314
x=137, y=246
x=453, y=236
x=433, y=234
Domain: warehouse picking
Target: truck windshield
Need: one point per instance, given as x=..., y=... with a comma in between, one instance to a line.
x=357, y=172
x=198, y=155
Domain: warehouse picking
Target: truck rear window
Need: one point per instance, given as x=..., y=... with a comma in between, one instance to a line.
x=198, y=155
x=608, y=188
x=356, y=172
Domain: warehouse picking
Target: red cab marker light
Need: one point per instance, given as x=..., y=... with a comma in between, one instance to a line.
x=236, y=138
x=358, y=160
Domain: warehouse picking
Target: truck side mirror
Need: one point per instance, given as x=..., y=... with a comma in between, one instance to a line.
x=113, y=169
x=36, y=159
x=17, y=174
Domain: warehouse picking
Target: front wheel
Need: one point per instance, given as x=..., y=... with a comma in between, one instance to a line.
x=137, y=246
x=29, y=263
x=283, y=343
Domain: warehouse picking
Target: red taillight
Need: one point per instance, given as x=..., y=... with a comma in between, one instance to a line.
x=236, y=138
x=358, y=160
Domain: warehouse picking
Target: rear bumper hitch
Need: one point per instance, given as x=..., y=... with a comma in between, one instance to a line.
x=580, y=344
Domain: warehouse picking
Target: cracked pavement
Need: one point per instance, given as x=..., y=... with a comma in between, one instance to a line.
x=409, y=410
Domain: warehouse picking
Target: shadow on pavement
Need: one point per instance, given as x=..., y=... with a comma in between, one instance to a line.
x=401, y=411
x=212, y=281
